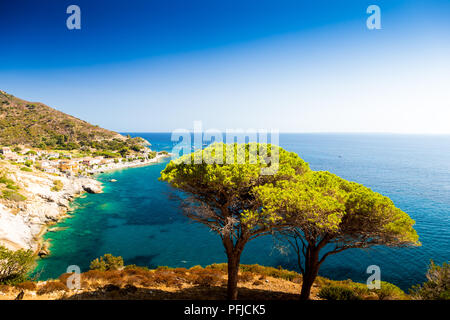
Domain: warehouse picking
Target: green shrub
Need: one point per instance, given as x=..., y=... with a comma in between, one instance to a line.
x=57, y=185
x=13, y=196
x=4, y=179
x=437, y=286
x=107, y=262
x=26, y=169
x=338, y=293
x=135, y=267
x=389, y=291
x=12, y=186
x=28, y=163
x=15, y=265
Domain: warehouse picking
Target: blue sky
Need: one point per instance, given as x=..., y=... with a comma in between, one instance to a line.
x=296, y=66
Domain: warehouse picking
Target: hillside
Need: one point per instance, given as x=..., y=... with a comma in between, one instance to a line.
x=37, y=125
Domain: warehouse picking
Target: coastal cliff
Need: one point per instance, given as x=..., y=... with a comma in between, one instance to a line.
x=22, y=222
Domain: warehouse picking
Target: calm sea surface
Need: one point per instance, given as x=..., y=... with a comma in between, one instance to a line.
x=139, y=218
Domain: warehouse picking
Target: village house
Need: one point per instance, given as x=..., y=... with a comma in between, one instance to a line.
x=92, y=161
x=30, y=157
x=51, y=170
x=68, y=166
x=106, y=161
x=53, y=155
x=12, y=156
x=20, y=159
x=44, y=164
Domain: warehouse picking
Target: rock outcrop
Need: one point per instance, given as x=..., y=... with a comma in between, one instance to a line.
x=22, y=223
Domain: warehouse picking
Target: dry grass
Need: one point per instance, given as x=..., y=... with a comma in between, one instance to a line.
x=255, y=283
x=51, y=287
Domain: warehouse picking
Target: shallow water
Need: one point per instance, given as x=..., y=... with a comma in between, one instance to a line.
x=138, y=217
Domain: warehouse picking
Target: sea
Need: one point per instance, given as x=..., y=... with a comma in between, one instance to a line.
x=140, y=218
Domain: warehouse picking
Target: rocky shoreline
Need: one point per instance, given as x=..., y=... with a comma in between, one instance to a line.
x=22, y=224
x=131, y=164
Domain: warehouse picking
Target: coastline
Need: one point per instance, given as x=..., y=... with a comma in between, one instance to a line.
x=23, y=224
x=131, y=164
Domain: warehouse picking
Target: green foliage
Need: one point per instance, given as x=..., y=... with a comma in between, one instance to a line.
x=26, y=169
x=220, y=181
x=57, y=185
x=389, y=291
x=325, y=204
x=15, y=265
x=337, y=293
x=12, y=186
x=318, y=206
x=28, y=163
x=107, y=262
x=203, y=175
x=321, y=208
x=135, y=267
x=4, y=179
x=136, y=147
x=124, y=151
x=106, y=154
x=437, y=286
x=13, y=195
x=38, y=125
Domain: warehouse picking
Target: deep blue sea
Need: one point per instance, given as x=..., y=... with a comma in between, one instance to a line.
x=139, y=218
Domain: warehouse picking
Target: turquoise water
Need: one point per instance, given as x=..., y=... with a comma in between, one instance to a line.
x=139, y=218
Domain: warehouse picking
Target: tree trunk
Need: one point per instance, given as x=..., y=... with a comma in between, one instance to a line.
x=233, y=269
x=311, y=271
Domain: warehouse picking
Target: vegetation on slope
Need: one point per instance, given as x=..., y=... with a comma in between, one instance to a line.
x=37, y=125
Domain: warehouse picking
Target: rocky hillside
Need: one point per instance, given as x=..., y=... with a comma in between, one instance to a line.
x=38, y=125
x=30, y=200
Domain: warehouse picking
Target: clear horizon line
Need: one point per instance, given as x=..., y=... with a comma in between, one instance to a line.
x=321, y=132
